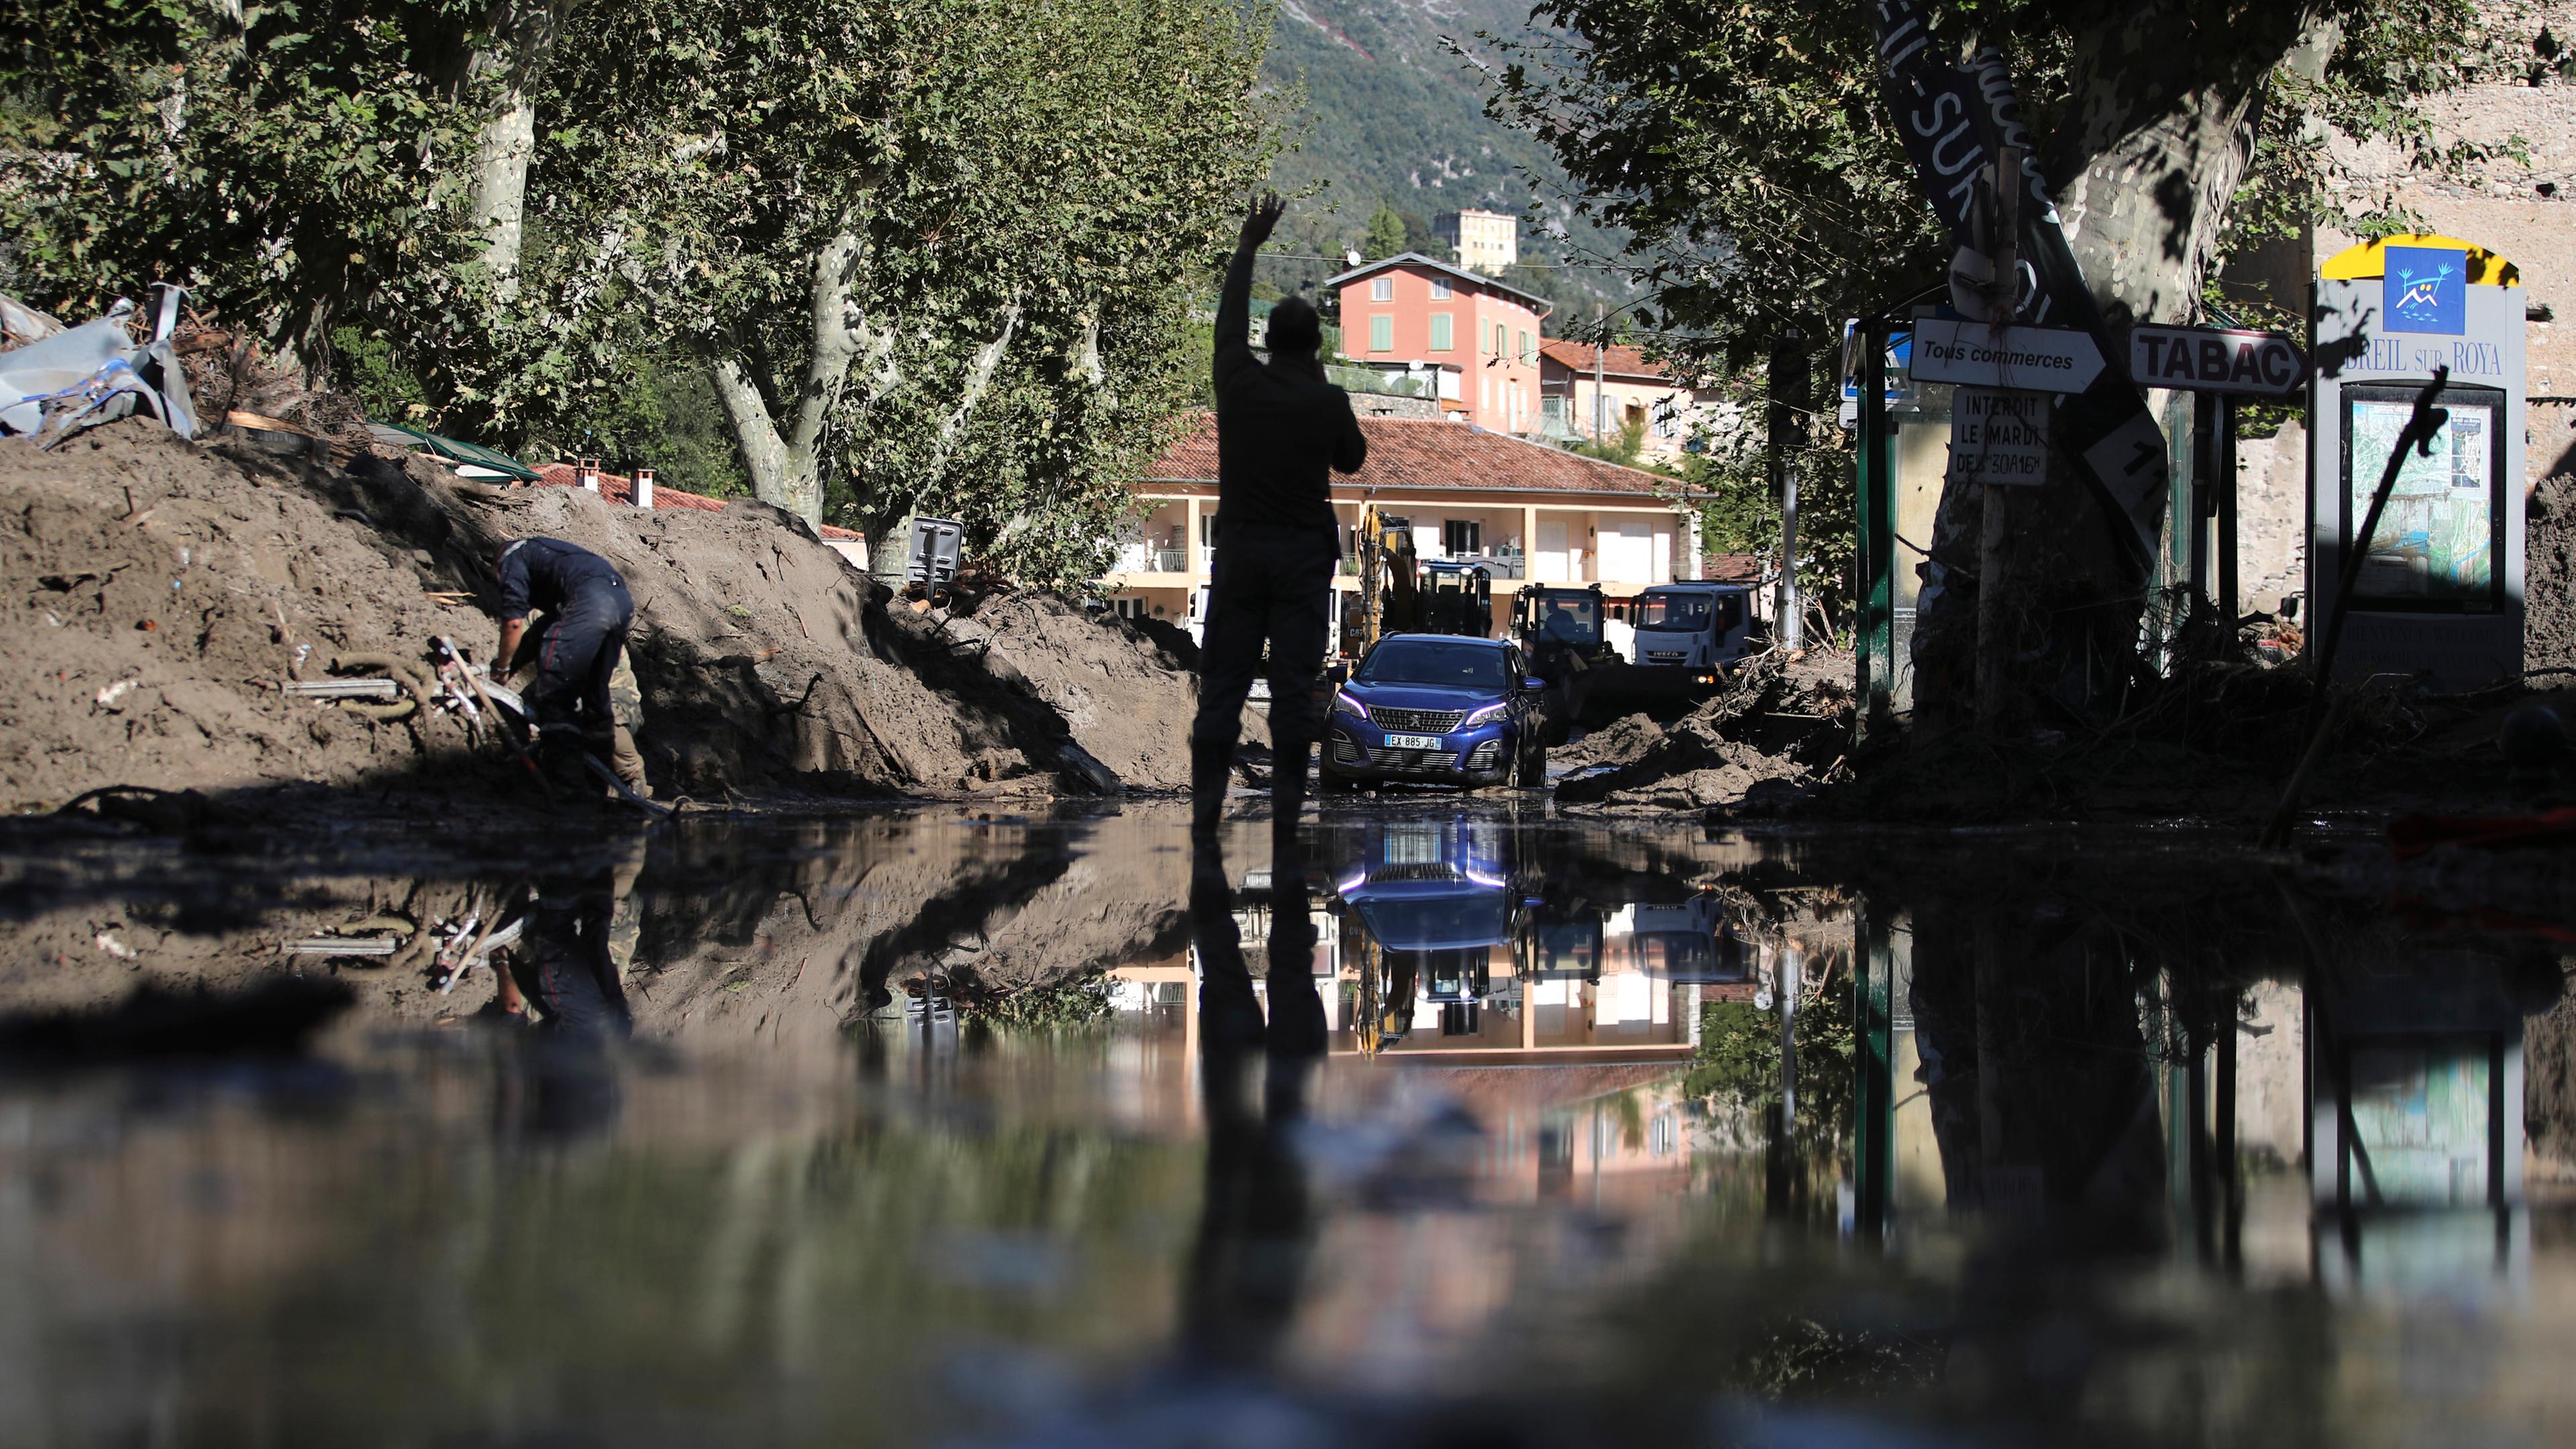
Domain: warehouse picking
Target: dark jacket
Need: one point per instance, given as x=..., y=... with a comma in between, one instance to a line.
x=1277, y=432
x=547, y=573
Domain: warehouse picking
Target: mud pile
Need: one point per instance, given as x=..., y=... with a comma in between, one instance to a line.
x=163, y=590
x=1781, y=726
x=158, y=592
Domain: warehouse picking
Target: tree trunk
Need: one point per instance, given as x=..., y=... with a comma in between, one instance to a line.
x=2143, y=168
x=786, y=466
x=497, y=194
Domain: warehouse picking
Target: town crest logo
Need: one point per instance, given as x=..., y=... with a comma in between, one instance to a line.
x=2426, y=290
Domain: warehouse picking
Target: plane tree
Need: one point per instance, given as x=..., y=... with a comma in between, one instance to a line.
x=1751, y=153
x=936, y=257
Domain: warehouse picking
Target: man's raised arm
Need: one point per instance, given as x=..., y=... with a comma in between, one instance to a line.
x=1234, y=303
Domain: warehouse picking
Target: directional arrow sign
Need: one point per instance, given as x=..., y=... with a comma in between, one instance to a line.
x=2027, y=359
x=2216, y=359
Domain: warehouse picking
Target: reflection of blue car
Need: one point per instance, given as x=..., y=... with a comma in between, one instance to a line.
x=1438, y=708
x=1435, y=897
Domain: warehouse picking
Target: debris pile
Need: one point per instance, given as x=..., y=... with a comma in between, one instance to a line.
x=1781, y=726
x=166, y=591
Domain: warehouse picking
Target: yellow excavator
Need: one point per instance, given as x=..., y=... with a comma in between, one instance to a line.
x=1383, y=544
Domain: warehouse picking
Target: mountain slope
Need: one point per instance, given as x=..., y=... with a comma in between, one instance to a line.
x=1392, y=115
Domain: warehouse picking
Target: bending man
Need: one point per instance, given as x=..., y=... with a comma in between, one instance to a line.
x=1280, y=428
x=578, y=650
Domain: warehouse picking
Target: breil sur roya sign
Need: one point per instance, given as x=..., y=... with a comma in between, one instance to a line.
x=2216, y=359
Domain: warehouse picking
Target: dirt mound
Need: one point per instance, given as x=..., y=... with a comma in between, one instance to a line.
x=1623, y=741
x=1782, y=723
x=159, y=591
x=164, y=589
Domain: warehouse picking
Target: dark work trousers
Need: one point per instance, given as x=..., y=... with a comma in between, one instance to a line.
x=574, y=661
x=1269, y=585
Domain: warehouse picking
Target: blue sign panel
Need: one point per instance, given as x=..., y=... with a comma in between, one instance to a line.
x=2426, y=290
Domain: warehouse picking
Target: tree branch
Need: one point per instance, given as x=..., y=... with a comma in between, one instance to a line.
x=979, y=378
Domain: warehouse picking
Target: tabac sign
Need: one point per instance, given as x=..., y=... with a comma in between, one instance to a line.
x=2216, y=359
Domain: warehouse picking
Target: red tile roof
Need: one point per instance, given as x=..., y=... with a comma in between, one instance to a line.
x=1616, y=361
x=1429, y=454
x=618, y=488
x=1732, y=568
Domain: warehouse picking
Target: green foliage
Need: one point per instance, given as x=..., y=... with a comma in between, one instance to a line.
x=1748, y=151
x=366, y=367
x=1069, y=1003
x=1626, y=450
x=1737, y=1063
x=284, y=161
x=1057, y=180
x=1385, y=236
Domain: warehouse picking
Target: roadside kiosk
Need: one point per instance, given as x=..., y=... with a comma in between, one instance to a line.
x=2440, y=585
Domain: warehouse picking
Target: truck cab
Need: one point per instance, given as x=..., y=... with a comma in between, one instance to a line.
x=1694, y=626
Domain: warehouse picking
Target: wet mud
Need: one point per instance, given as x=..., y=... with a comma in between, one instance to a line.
x=1469, y=1122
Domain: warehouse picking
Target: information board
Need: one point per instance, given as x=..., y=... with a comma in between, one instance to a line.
x=1999, y=437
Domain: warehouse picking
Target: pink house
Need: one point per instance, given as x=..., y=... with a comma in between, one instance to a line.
x=1478, y=337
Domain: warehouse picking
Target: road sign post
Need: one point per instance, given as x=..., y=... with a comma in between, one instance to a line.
x=2217, y=365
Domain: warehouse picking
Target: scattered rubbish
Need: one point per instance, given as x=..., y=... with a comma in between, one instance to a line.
x=345, y=946
x=114, y=947
x=330, y=689
x=114, y=692
x=82, y=376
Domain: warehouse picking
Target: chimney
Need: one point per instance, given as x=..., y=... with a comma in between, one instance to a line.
x=585, y=471
x=644, y=488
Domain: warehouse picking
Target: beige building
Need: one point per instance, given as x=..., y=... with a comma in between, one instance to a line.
x=1486, y=241
x=1533, y=513
x=1594, y=394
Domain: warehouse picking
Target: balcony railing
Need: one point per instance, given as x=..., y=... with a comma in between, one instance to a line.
x=1138, y=558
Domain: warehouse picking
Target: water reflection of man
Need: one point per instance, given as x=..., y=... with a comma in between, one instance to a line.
x=568, y=960
x=1256, y=1222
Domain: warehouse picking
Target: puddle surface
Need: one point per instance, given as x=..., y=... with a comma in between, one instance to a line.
x=1477, y=1128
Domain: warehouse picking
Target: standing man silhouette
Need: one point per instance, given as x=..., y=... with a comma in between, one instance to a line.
x=1280, y=428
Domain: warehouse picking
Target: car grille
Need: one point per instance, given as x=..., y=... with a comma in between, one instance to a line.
x=1416, y=721
x=1414, y=759
x=1665, y=656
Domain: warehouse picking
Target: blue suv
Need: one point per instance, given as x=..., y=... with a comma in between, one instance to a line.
x=1437, y=709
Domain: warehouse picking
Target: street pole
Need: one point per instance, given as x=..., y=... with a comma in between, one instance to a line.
x=1791, y=609
x=2230, y=608
x=2003, y=197
x=1786, y=389
x=1600, y=350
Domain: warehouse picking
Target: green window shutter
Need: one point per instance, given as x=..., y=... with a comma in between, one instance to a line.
x=1441, y=340
x=1381, y=334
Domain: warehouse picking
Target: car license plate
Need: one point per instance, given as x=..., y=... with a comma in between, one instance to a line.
x=1413, y=742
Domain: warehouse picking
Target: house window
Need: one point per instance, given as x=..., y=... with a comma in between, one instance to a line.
x=1439, y=289
x=1500, y=341
x=1381, y=334
x=1668, y=419
x=1440, y=336
x=1382, y=289
x=1525, y=346
x=1462, y=537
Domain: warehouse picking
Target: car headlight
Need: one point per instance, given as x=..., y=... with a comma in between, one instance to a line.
x=1487, y=715
x=1343, y=704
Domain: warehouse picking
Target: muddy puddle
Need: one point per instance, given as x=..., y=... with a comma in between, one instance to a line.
x=1475, y=1126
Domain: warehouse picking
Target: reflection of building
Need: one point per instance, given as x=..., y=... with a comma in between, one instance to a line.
x=1528, y=513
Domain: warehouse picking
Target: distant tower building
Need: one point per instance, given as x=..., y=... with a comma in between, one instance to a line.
x=1487, y=241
